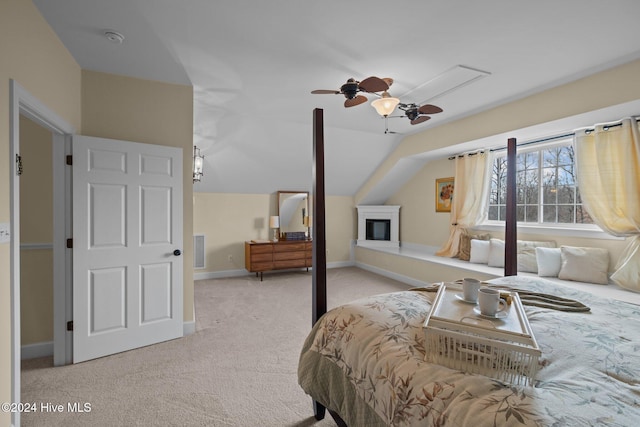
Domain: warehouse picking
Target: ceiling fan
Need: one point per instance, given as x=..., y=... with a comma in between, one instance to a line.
x=418, y=113
x=351, y=88
x=415, y=113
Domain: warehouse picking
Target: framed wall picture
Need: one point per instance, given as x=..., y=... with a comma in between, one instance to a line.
x=444, y=194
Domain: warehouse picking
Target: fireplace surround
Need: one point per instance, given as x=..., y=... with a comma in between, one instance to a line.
x=378, y=226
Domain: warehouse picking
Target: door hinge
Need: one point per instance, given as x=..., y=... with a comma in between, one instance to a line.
x=18, y=164
x=69, y=243
x=70, y=325
x=69, y=160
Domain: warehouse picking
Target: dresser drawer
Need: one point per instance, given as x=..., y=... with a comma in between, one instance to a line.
x=281, y=256
x=261, y=257
x=261, y=249
x=291, y=263
x=261, y=266
x=289, y=247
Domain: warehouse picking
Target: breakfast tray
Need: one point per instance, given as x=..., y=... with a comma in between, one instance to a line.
x=501, y=347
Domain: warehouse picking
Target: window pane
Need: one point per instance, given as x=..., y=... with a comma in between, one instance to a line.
x=527, y=161
x=565, y=155
x=493, y=213
x=550, y=157
x=502, y=190
x=531, y=213
x=520, y=187
x=519, y=213
x=549, y=213
x=502, y=212
x=565, y=214
x=549, y=194
x=549, y=176
x=566, y=194
x=582, y=217
x=566, y=176
x=531, y=187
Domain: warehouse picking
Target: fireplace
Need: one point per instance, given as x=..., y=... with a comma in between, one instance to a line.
x=378, y=226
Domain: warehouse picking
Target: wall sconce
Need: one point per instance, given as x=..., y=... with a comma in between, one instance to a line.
x=274, y=222
x=198, y=161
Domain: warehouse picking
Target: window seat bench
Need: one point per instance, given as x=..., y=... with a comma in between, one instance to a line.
x=462, y=269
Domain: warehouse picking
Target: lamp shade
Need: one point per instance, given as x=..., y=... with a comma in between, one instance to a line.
x=386, y=104
x=274, y=222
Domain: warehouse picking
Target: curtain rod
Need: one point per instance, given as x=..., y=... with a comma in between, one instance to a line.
x=541, y=140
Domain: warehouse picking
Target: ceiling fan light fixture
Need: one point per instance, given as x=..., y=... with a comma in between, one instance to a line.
x=385, y=104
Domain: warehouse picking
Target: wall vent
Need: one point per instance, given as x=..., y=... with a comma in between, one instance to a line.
x=198, y=251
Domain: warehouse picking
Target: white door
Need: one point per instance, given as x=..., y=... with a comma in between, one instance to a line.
x=127, y=234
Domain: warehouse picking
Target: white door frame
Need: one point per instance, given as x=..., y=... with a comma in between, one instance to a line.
x=22, y=102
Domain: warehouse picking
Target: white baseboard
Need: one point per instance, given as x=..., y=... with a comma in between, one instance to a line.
x=341, y=264
x=390, y=274
x=220, y=274
x=237, y=273
x=39, y=349
x=188, y=328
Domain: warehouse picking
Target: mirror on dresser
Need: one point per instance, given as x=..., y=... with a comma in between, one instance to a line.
x=293, y=210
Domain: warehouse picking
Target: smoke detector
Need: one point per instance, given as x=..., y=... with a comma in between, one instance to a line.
x=114, y=36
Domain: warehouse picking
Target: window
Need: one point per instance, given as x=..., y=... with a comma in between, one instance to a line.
x=546, y=189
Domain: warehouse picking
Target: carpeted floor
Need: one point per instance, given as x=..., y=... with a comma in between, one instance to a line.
x=238, y=369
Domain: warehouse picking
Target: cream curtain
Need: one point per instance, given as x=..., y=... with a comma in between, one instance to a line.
x=608, y=172
x=470, y=197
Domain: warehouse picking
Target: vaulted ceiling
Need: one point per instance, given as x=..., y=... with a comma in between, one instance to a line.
x=253, y=64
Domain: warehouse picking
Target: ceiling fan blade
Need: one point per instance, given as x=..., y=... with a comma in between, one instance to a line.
x=429, y=109
x=355, y=101
x=373, y=84
x=420, y=120
x=325, y=92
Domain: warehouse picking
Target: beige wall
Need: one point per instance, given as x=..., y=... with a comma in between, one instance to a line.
x=228, y=220
x=36, y=227
x=129, y=109
x=32, y=55
x=419, y=221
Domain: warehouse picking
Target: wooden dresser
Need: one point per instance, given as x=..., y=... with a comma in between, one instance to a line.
x=284, y=254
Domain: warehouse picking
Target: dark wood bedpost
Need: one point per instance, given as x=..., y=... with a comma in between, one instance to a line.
x=510, y=232
x=319, y=257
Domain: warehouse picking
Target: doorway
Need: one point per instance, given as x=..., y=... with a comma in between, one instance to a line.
x=36, y=240
x=22, y=103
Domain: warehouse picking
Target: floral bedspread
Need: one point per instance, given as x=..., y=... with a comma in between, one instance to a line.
x=365, y=360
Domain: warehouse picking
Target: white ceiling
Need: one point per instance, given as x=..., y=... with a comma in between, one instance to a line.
x=253, y=64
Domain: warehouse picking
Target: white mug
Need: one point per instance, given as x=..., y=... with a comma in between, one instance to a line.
x=470, y=288
x=490, y=302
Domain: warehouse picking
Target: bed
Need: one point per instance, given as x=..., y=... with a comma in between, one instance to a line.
x=365, y=362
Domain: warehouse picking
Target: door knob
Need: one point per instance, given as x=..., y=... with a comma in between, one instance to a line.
x=177, y=252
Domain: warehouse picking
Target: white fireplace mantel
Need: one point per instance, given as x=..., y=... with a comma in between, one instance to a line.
x=389, y=212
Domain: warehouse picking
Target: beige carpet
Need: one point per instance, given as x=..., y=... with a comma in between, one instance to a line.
x=238, y=369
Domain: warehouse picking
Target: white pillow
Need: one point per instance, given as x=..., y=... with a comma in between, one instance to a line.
x=549, y=261
x=589, y=265
x=527, y=260
x=496, y=253
x=479, y=251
